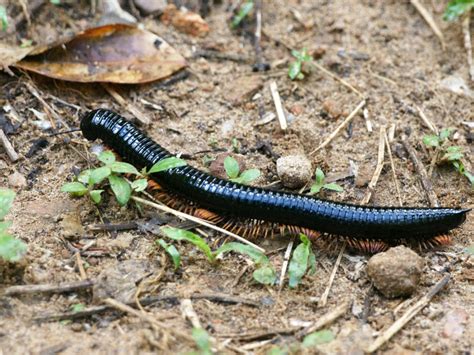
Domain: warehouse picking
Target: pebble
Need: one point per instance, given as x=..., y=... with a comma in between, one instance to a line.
x=364, y=175
x=332, y=108
x=151, y=6
x=71, y=225
x=16, y=180
x=294, y=171
x=396, y=272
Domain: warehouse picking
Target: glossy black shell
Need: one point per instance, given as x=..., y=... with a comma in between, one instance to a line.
x=383, y=223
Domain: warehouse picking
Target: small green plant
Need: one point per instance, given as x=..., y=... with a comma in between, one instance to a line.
x=244, y=10
x=457, y=8
x=295, y=70
x=319, y=183
x=445, y=153
x=3, y=17
x=89, y=180
x=11, y=249
x=78, y=307
x=232, y=170
x=317, y=338
x=302, y=259
x=264, y=272
x=203, y=341
x=55, y=2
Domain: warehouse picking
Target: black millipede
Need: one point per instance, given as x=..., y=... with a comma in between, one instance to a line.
x=371, y=229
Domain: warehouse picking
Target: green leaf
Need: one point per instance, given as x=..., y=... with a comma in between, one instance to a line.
x=139, y=185
x=55, y=2
x=166, y=164
x=96, y=195
x=74, y=188
x=265, y=274
x=231, y=167
x=6, y=199
x=431, y=140
x=106, y=157
x=296, y=54
x=4, y=225
x=247, y=176
x=319, y=177
x=453, y=153
x=85, y=176
x=469, y=176
x=317, y=338
x=457, y=8
x=121, y=189
x=3, y=17
x=123, y=168
x=172, y=252
x=257, y=256
x=99, y=174
x=202, y=340
x=315, y=189
x=312, y=263
x=305, y=56
x=445, y=133
x=299, y=261
x=276, y=350
x=333, y=187
x=294, y=70
x=11, y=249
x=78, y=307
x=181, y=234
x=243, y=12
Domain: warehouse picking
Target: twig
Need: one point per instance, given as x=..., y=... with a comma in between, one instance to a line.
x=259, y=64
x=12, y=154
x=340, y=127
x=113, y=227
x=286, y=259
x=467, y=43
x=394, y=173
x=49, y=288
x=213, y=54
x=335, y=77
x=324, y=297
x=189, y=313
x=326, y=319
x=196, y=220
x=425, y=181
x=80, y=266
x=409, y=314
x=368, y=122
x=147, y=301
x=427, y=121
x=278, y=105
x=378, y=168
x=427, y=17
x=139, y=115
x=258, y=334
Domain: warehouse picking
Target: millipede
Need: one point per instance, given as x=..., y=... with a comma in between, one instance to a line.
x=254, y=211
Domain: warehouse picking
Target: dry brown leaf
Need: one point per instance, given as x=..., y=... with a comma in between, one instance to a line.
x=9, y=54
x=113, y=53
x=185, y=21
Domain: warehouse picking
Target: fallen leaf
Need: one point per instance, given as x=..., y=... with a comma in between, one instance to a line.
x=185, y=21
x=10, y=54
x=113, y=53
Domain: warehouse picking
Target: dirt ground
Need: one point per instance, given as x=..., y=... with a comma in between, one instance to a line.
x=383, y=48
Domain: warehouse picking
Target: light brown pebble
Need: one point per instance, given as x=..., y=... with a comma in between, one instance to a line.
x=396, y=272
x=16, y=180
x=332, y=108
x=294, y=171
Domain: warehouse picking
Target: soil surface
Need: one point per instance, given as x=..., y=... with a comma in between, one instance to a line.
x=384, y=49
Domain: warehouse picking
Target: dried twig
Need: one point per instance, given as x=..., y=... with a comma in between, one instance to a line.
x=278, y=105
x=467, y=43
x=394, y=173
x=197, y=220
x=368, y=122
x=409, y=314
x=12, y=154
x=378, y=168
x=335, y=77
x=429, y=19
x=324, y=297
x=187, y=309
x=139, y=115
x=80, y=266
x=49, y=288
x=425, y=181
x=213, y=54
x=113, y=227
x=340, y=127
x=326, y=319
x=286, y=259
x=426, y=120
x=259, y=64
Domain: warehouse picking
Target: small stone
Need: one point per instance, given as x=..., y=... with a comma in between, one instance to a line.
x=363, y=176
x=294, y=170
x=296, y=110
x=119, y=281
x=16, y=180
x=396, y=272
x=332, y=108
x=151, y=6
x=217, y=166
x=185, y=21
x=454, y=323
x=71, y=225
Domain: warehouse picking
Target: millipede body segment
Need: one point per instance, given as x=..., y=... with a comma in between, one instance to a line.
x=368, y=228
